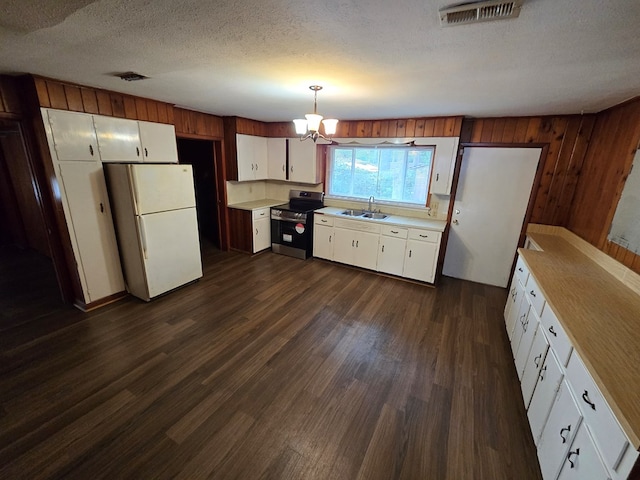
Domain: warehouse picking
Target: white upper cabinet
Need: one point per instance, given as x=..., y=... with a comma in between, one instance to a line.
x=73, y=135
x=252, y=154
x=277, y=158
x=158, y=142
x=444, y=162
x=303, y=165
x=118, y=139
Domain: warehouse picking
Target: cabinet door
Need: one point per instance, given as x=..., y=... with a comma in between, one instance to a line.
x=91, y=229
x=391, y=255
x=261, y=234
x=420, y=260
x=549, y=380
x=244, y=153
x=515, y=299
x=564, y=420
x=158, y=142
x=323, y=241
x=583, y=462
x=534, y=363
x=518, y=329
x=277, y=158
x=303, y=167
x=344, y=246
x=530, y=327
x=260, y=158
x=118, y=139
x=366, y=250
x=444, y=163
x=74, y=137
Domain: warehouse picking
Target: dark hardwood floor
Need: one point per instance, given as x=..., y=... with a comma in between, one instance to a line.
x=267, y=368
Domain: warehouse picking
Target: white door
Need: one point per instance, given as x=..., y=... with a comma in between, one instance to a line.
x=158, y=188
x=391, y=254
x=277, y=158
x=489, y=209
x=92, y=229
x=158, y=142
x=171, y=249
x=302, y=161
x=420, y=260
x=323, y=241
x=261, y=234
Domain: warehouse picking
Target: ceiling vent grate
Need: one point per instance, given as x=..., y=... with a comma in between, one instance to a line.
x=131, y=76
x=483, y=11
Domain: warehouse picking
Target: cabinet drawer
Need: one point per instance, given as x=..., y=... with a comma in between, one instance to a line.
x=522, y=271
x=609, y=437
x=394, y=231
x=582, y=462
x=323, y=220
x=556, y=334
x=356, y=225
x=424, y=235
x=536, y=299
x=261, y=213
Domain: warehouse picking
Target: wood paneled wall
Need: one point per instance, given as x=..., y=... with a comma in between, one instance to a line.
x=567, y=138
x=406, y=127
x=77, y=98
x=197, y=124
x=607, y=164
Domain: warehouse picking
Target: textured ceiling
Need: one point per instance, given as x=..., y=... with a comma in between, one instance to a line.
x=375, y=58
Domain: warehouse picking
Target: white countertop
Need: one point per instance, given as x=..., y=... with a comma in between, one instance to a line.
x=437, y=225
x=257, y=204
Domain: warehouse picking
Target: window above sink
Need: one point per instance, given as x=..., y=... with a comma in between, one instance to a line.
x=394, y=174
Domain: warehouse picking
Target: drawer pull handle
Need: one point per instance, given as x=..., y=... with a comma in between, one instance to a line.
x=576, y=452
x=424, y=236
x=585, y=397
x=393, y=231
x=537, y=360
x=146, y=153
x=357, y=243
x=382, y=248
x=353, y=243
x=409, y=253
x=137, y=151
x=552, y=331
x=329, y=238
x=532, y=294
x=323, y=220
x=520, y=270
x=524, y=315
x=565, y=429
x=541, y=374
x=91, y=150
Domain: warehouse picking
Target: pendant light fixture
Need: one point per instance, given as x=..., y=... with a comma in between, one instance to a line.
x=309, y=127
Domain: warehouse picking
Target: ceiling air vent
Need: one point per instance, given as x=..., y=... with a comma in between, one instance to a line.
x=130, y=76
x=483, y=11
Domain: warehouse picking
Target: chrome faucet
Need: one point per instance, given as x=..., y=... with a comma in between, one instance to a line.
x=372, y=202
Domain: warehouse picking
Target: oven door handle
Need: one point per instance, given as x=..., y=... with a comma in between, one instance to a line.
x=289, y=220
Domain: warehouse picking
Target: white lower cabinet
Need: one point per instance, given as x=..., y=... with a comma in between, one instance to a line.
x=261, y=229
x=421, y=255
x=356, y=248
x=391, y=250
x=582, y=462
x=576, y=432
x=405, y=252
x=534, y=363
x=549, y=380
x=558, y=433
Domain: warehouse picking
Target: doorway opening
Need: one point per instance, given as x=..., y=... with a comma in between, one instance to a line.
x=200, y=154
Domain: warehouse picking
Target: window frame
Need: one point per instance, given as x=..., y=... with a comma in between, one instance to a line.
x=406, y=147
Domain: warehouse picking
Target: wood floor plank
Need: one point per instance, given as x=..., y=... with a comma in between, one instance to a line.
x=268, y=367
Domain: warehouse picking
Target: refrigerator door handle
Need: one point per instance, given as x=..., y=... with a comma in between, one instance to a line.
x=133, y=180
x=143, y=236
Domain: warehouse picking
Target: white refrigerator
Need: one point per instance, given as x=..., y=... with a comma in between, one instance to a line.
x=154, y=209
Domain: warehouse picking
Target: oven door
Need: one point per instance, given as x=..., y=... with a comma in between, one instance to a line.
x=290, y=237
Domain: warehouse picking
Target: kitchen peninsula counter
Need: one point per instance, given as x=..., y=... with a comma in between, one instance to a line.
x=597, y=301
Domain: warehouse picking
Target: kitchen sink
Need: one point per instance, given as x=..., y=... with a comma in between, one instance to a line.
x=352, y=213
x=375, y=215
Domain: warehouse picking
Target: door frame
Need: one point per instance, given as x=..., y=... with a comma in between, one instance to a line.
x=454, y=190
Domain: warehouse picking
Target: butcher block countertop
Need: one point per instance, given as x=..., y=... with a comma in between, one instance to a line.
x=600, y=313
